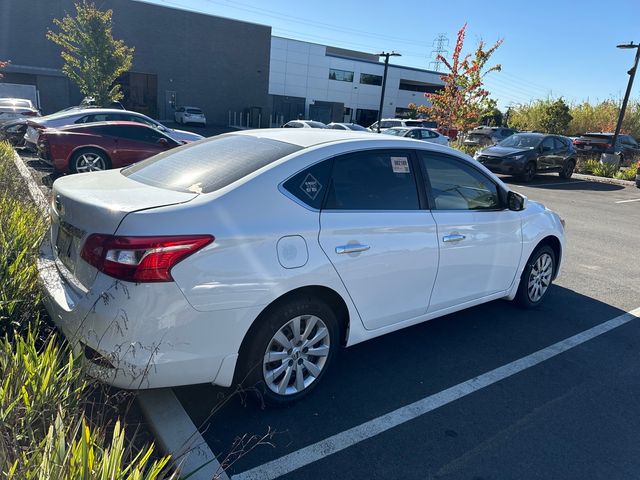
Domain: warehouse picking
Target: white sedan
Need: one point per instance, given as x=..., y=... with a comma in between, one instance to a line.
x=252, y=257
x=418, y=133
x=186, y=115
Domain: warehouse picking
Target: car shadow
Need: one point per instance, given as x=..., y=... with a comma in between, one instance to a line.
x=391, y=371
x=38, y=165
x=48, y=180
x=557, y=183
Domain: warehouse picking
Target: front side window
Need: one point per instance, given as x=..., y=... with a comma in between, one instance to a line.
x=454, y=185
x=340, y=75
x=373, y=180
x=547, y=145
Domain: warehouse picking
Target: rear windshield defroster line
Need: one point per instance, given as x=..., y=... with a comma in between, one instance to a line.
x=209, y=165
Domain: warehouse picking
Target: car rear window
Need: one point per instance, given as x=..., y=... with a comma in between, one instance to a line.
x=196, y=111
x=209, y=165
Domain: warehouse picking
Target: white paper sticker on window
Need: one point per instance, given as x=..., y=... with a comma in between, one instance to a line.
x=400, y=164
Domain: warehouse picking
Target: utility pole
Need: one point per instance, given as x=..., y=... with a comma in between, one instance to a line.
x=632, y=74
x=439, y=44
x=386, y=56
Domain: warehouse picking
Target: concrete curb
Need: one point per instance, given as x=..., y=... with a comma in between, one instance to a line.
x=174, y=431
x=177, y=435
x=610, y=181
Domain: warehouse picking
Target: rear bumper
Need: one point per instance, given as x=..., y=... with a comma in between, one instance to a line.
x=147, y=335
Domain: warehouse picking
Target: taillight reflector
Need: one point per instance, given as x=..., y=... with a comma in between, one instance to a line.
x=140, y=259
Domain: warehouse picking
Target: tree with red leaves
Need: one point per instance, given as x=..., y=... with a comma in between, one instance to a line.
x=463, y=100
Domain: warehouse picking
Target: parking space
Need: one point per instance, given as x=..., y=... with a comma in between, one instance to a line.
x=558, y=419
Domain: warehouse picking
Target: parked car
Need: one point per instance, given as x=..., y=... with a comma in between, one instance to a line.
x=638, y=174
x=525, y=154
x=418, y=133
x=100, y=146
x=304, y=124
x=91, y=115
x=12, y=108
x=401, y=122
x=483, y=136
x=254, y=256
x=13, y=131
x=597, y=143
x=347, y=126
x=186, y=115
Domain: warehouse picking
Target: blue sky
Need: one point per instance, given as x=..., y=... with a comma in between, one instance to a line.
x=551, y=48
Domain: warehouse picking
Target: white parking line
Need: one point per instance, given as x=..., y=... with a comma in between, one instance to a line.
x=627, y=201
x=348, y=438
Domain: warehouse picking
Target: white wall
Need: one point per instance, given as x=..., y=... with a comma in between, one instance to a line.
x=301, y=69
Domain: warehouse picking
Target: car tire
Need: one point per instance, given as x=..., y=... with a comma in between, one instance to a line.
x=528, y=173
x=537, y=277
x=277, y=382
x=89, y=160
x=567, y=169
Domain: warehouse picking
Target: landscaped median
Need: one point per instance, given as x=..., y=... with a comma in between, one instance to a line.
x=55, y=424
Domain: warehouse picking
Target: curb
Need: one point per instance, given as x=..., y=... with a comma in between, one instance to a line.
x=610, y=181
x=174, y=431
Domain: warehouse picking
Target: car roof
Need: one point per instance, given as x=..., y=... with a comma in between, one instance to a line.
x=80, y=126
x=310, y=137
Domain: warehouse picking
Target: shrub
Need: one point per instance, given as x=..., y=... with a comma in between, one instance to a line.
x=605, y=170
x=627, y=174
x=469, y=150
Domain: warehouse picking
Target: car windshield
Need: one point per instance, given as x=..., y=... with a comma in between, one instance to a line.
x=15, y=102
x=209, y=165
x=398, y=132
x=521, y=141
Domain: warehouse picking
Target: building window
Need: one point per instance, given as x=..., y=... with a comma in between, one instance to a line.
x=369, y=79
x=340, y=75
x=413, y=86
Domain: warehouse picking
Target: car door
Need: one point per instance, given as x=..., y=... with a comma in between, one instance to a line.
x=379, y=237
x=480, y=240
x=547, y=154
x=561, y=152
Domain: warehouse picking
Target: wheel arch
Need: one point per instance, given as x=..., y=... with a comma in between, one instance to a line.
x=554, y=243
x=325, y=294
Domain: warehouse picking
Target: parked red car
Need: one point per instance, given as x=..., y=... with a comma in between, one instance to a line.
x=100, y=146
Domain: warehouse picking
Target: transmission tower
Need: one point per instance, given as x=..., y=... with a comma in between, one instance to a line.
x=440, y=45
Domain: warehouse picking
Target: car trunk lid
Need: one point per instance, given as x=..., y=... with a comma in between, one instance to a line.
x=96, y=203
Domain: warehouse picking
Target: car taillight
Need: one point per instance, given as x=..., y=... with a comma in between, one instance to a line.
x=140, y=259
x=577, y=142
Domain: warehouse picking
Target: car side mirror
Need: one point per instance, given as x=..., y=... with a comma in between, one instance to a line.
x=516, y=201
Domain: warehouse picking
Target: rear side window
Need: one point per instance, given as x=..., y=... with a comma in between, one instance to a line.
x=209, y=165
x=310, y=185
x=373, y=180
x=195, y=111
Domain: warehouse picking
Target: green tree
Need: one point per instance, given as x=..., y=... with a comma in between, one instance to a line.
x=93, y=59
x=555, y=117
x=463, y=101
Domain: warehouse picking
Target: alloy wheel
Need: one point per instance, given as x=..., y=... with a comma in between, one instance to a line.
x=540, y=277
x=90, y=162
x=296, y=355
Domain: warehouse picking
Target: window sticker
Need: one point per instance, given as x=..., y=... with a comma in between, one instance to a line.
x=400, y=164
x=311, y=186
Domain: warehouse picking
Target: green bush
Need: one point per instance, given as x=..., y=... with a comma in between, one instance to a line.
x=627, y=174
x=469, y=150
x=46, y=406
x=604, y=170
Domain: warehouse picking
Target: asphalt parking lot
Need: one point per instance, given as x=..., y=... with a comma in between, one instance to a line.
x=573, y=415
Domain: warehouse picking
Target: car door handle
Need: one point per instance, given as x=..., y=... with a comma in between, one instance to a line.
x=456, y=237
x=352, y=248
